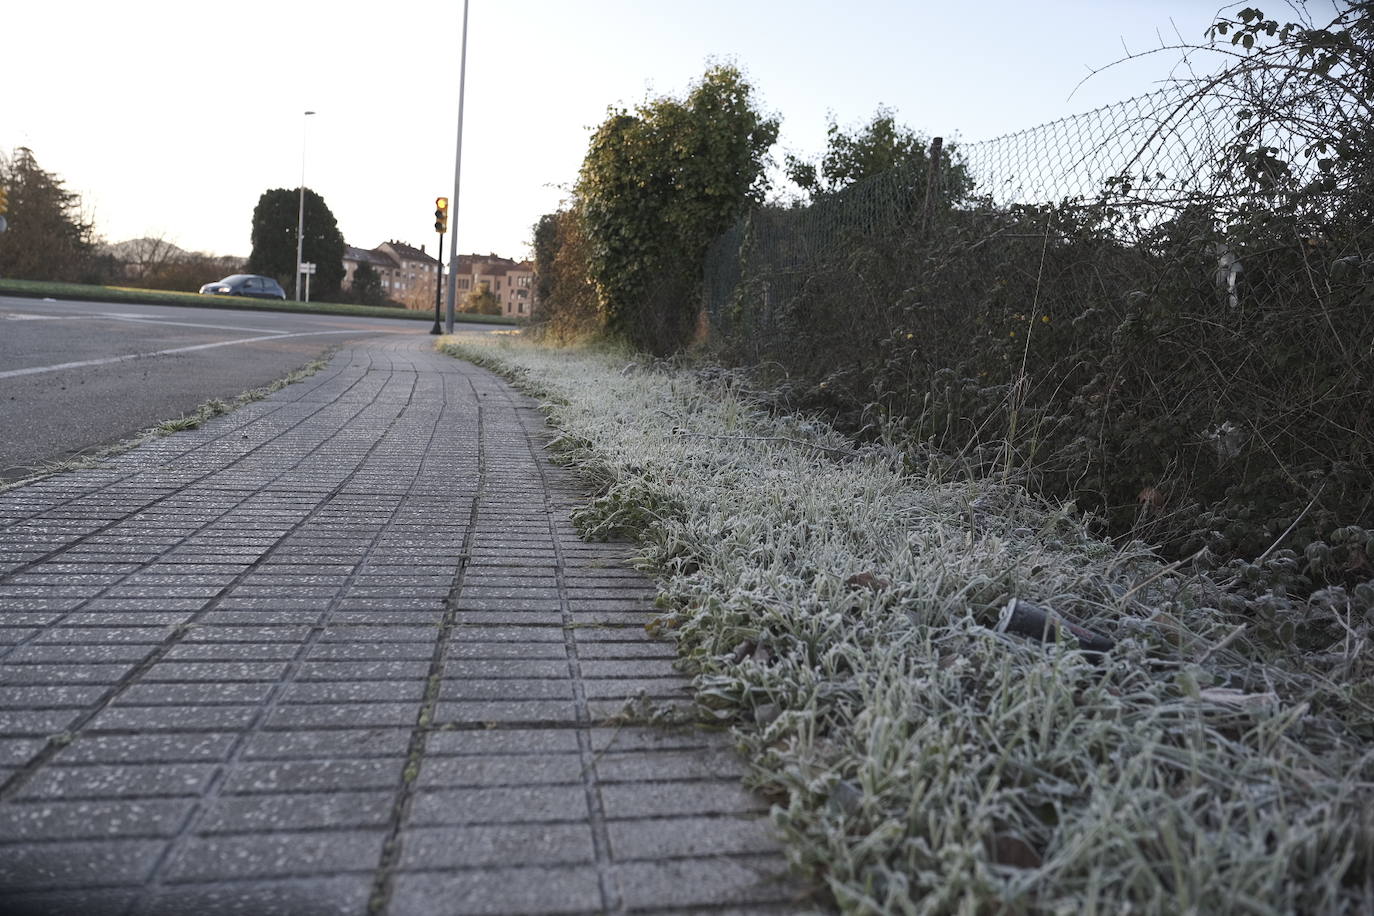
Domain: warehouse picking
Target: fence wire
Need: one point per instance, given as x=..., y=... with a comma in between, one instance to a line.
x=1169, y=141
x=1114, y=288
x=1153, y=156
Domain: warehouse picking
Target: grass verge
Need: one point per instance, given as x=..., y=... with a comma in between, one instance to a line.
x=34, y=289
x=210, y=409
x=852, y=621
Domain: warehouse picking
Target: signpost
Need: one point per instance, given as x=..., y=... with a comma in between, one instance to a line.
x=307, y=268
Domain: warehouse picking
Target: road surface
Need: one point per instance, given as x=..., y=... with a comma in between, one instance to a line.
x=78, y=376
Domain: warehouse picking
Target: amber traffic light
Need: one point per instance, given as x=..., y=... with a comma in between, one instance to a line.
x=441, y=214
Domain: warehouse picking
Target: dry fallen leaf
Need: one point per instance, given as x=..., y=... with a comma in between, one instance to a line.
x=867, y=580
x=1014, y=851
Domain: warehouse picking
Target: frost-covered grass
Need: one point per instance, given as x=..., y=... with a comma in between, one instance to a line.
x=846, y=615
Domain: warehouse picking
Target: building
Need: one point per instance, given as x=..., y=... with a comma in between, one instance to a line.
x=355, y=257
x=408, y=274
x=511, y=281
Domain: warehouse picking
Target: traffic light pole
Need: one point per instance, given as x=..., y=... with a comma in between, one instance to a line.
x=438, y=286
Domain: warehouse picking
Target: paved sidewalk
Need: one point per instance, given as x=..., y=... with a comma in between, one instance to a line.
x=342, y=652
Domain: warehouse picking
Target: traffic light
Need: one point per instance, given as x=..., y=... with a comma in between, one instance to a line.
x=441, y=214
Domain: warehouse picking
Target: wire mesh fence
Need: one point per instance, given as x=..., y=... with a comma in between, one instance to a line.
x=1169, y=139
x=778, y=249
x=1114, y=304
x=1153, y=156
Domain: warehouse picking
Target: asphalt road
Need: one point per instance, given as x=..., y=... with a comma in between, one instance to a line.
x=78, y=376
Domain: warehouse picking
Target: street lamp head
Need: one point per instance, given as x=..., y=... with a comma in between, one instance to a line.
x=310, y=112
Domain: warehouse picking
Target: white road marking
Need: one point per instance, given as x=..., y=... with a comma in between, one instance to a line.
x=149, y=319
x=134, y=317
x=16, y=316
x=35, y=370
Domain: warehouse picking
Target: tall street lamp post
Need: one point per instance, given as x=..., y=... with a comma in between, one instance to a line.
x=300, y=218
x=457, y=180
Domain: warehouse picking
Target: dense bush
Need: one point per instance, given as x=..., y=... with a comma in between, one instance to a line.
x=1196, y=373
x=565, y=303
x=1121, y=376
x=657, y=185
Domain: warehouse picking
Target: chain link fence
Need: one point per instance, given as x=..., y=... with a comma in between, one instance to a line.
x=1118, y=307
x=1169, y=140
x=1152, y=156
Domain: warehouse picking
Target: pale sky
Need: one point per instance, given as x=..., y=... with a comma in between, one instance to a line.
x=170, y=118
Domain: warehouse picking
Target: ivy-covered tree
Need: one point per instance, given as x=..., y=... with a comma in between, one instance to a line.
x=882, y=145
x=657, y=185
x=565, y=302
x=274, y=240
x=47, y=237
x=546, y=245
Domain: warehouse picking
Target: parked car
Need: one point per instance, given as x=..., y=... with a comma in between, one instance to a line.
x=245, y=285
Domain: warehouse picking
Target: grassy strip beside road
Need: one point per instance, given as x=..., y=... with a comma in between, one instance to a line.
x=80, y=292
x=850, y=617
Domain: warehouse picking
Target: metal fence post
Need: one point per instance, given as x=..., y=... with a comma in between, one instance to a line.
x=932, y=173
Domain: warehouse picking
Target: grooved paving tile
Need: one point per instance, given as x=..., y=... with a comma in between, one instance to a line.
x=341, y=651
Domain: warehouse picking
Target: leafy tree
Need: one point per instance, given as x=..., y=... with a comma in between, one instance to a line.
x=47, y=238
x=882, y=145
x=546, y=245
x=367, y=285
x=655, y=188
x=565, y=303
x=274, y=240
x=481, y=301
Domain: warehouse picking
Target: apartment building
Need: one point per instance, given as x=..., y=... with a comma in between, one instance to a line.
x=511, y=281
x=408, y=274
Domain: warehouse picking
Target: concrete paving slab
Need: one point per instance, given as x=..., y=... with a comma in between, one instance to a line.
x=341, y=651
